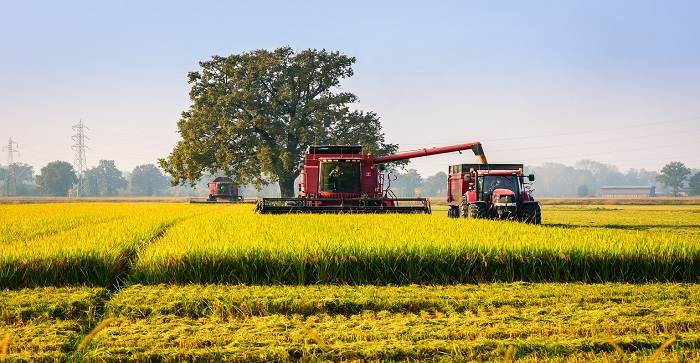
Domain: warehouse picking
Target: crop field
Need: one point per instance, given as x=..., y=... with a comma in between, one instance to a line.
x=172, y=281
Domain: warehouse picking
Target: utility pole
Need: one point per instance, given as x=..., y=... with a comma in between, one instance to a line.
x=11, y=177
x=79, y=161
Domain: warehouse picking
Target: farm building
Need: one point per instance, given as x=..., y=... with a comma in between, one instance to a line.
x=627, y=191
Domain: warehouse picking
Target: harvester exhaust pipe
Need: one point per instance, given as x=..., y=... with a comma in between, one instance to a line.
x=474, y=146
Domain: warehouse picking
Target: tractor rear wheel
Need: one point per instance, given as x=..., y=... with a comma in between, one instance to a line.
x=474, y=211
x=532, y=213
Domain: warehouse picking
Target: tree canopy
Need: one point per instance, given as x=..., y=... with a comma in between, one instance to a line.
x=407, y=184
x=56, y=178
x=147, y=180
x=253, y=114
x=435, y=185
x=673, y=175
x=104, y=180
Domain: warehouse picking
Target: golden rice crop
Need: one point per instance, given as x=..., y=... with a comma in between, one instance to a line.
x=21, y=223
x=61, y=244
x=96, y=253
x=236, y=246
x=241, y=301
x=669, y=219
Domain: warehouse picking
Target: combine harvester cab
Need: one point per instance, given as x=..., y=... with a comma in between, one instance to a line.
x=493, y=191
x=221, y=189
x=342, y=179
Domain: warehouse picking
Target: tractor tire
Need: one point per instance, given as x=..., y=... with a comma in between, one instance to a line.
x=453, y=212
x=532, y=214
x=474, y=211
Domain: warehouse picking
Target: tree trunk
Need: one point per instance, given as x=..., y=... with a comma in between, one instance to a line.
x=287, y=187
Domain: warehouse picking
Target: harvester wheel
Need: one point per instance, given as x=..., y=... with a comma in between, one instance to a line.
x=475, y=211
x=532, y=213
x=453, y=212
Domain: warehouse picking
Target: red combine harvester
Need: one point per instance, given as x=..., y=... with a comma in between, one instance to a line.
x=341, y=179
x=221, y=189
x=494, y=191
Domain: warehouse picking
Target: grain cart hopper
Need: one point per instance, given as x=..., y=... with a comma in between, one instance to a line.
x=494, y=191
x=221, y=189
x=342, y=179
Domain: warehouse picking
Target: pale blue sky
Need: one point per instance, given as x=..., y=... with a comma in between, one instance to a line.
x=535, y=81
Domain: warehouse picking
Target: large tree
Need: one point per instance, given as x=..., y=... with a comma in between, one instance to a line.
x=104, y=179
x=673, y=176
x=56, y=178
x=147, y=180
x=253, y=114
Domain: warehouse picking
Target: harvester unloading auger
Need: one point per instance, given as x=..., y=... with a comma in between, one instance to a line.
x=341, y=179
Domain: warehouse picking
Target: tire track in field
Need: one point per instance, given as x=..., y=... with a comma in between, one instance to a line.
x=131, y=255
x=114, y=287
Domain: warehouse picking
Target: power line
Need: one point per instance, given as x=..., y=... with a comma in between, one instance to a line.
x=685, y=132
x=598, y=130
x=79, y=161
x=11, y=176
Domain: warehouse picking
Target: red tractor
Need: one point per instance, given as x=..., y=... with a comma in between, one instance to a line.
x=494, y=191
x=339, y=179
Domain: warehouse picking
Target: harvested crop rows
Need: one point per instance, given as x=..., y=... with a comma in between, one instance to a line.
x=342, y=287
x=571, y=321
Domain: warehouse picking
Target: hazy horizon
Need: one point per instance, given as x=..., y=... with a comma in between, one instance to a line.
x=615, y=82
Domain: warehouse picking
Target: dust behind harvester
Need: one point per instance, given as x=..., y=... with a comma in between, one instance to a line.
x=343, y=179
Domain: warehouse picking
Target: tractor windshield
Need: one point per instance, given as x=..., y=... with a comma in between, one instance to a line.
x=341, y=176
x=489, y=183
x=223, y=188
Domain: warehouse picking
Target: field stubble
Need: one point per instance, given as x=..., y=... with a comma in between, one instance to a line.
x=460, y=322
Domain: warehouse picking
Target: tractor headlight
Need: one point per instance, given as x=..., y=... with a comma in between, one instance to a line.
x=505, y=201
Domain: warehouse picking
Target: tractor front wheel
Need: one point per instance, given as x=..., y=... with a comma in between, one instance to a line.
x=474, y=211
x=453, y=212
x=532, y=214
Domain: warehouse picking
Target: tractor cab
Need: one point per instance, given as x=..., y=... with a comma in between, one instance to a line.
x=340, y=176
x=501, y=189
x=495, y=191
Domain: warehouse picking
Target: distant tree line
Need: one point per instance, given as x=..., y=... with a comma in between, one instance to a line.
x=58, y=178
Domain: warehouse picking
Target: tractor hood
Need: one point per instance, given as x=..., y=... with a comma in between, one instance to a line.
x=503, y=197
x=502, y=192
